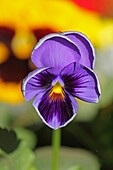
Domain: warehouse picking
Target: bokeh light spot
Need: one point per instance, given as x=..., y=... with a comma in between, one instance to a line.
x=23, y=43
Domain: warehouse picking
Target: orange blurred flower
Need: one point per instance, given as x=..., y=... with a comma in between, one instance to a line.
x=103, y=7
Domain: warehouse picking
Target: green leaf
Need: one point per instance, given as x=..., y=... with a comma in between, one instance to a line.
x=8, y=140
x=21, y=159
x=68, y=157
x=27, y=136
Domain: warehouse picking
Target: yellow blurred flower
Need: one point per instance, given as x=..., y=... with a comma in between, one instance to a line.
x=23, y=43
x=57, y=15
x=10, y=92
x=32, y=19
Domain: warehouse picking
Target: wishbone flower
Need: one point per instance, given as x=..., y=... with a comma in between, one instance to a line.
x=64, y=72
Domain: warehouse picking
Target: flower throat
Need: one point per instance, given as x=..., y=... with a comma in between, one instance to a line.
x=57, y=92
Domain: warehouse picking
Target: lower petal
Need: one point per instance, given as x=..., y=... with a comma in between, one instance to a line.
x=56, y=113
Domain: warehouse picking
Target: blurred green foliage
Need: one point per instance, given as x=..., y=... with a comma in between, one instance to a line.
x=24, y=158
x=69, y=159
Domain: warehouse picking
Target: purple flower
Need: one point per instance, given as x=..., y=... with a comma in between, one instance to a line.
x=65, y=70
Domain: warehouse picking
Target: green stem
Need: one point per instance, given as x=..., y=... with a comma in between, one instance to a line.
x=55, y=148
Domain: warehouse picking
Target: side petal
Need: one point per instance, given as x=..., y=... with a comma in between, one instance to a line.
x=81, y=82
x=55, y=50
x=55, y=113
x=85, y=47
x=36, y=81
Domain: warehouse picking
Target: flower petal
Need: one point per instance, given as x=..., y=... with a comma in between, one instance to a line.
x=55, y=50
x=85, y=47
x=55, y=113
x=36, y=81
x=81, y=82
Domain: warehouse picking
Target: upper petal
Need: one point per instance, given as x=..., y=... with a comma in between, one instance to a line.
x=55, y=113
x=85, y=47
x=36, y=82
x=81, y=82
x=55, y=50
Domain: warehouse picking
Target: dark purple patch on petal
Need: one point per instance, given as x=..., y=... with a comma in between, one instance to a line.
x=37, y=81
x=81, y=82
x=56, y=113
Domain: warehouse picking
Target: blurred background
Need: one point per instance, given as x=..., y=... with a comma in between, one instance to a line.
x=87, y=142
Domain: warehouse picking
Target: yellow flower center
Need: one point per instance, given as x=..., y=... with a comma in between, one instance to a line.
x=57, y=92
x=57, y=88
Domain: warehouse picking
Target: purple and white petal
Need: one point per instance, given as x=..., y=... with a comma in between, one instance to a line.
x=85, y=47
x=56, y=113
x=37, y=81
x=55, y=50
x=81, y=82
